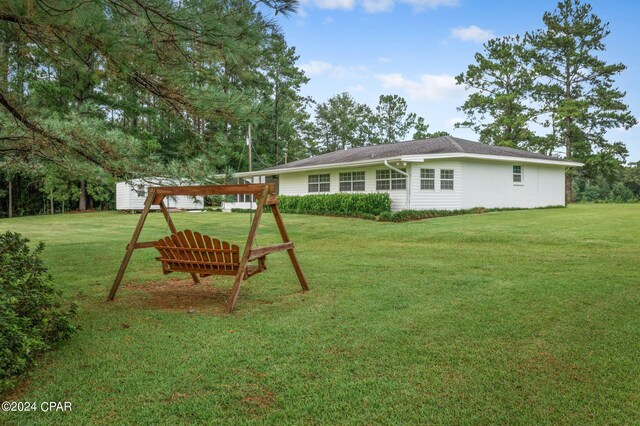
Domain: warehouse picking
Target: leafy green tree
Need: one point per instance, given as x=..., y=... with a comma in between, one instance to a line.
x=421, y=130
x=631, y=178
x=575, y=88
x=342, y=123
x=284, y=82
x=150, y=87
x=500, y=82
x=392, y=122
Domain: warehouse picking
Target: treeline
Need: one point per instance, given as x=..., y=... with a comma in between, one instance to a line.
x=96, y=91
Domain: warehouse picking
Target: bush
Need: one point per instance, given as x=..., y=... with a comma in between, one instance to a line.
x=352, y=205
x=32, y=316
x=408, y=215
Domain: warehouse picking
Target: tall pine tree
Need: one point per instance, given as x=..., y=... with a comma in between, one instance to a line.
x=575, y=88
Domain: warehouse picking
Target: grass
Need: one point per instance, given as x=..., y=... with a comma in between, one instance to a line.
x=519, y=317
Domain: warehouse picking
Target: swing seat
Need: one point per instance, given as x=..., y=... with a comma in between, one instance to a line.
x=192, y=252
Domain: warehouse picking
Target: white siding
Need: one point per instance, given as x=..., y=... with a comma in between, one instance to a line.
x=127, y=198
x=490, y=184
x=476, y=184
x=437, y=198
x=298, y=183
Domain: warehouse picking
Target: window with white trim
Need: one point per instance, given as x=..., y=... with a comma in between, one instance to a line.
x=446, y=179
x=390, y=179
x=319, y=183
x=427, y=178
x=517, y=174
x=351, y=181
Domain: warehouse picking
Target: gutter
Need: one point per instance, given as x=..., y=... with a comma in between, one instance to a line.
x=407, y=203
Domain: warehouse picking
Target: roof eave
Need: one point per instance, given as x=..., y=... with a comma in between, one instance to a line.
x=411, y=159
x=505, y=158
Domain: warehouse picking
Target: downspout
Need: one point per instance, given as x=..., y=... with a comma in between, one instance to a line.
x=407, y=203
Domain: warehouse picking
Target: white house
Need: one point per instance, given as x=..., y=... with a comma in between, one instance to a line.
x=444, y=173
x=131, y=195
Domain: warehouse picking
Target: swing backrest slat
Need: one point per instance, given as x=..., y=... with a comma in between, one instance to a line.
x=186, y=250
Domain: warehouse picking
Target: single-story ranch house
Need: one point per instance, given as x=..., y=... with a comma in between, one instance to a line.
x=443, y=173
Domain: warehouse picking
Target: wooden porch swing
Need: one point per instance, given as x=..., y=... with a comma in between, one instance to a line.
x=201, y=255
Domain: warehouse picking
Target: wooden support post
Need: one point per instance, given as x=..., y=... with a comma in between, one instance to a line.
x=291, y=251
x=173, y=229
x=131, y=247
x=242, y=267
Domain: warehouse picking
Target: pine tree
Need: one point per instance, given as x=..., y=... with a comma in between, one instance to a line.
x=500, y=80
x=576, y=89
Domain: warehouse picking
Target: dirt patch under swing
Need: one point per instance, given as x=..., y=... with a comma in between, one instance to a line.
x=181, y=295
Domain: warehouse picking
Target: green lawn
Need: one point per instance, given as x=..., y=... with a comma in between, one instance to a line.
x=520, y=317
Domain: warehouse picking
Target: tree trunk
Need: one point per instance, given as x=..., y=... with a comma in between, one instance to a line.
x=51, y=202
x=82, y=204
x=10, y=198
x=568, y=180
x=568, y=136
x=277, y=117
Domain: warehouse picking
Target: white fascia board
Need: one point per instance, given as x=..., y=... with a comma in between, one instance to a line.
x=316, y=167
x=410, y=159
x=420, y=158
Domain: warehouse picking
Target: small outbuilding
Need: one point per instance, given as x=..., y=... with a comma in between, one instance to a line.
x=131, y=195
x=443, y=173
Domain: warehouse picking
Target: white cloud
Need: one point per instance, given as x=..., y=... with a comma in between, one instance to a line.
x=376, y=6
x=356, y=88
x=421, y=5
x=384, y=60
x=333, y=4
x=328, y=20
x=428, y=87
x=316, y=67
x=472, y=33
x=338, y=72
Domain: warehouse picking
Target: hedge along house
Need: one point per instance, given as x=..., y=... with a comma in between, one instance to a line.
x=443, y=173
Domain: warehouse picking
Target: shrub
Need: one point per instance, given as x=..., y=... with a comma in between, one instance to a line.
x=353, y=205
x=32, y=315
x=408, y=215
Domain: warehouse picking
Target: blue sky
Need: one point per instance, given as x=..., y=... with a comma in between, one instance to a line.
x=414, y=48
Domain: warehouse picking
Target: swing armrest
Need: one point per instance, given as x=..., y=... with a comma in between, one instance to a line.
x=259, y=252
x=146, y=244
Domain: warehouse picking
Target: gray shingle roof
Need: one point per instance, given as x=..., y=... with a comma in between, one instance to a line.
x=439, y=145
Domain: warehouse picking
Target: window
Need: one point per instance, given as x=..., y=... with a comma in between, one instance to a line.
x=517, y=174
x=351, y=181
x=246, y=198
x=390, y=179
x=427, y=179
x=446, y=179
x=319, y=183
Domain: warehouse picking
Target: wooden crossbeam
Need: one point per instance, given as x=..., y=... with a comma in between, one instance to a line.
x=253, y=188
x=263, y=251
x=145, y=244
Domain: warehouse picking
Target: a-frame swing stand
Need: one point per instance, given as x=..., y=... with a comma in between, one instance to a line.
x=201, y=255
